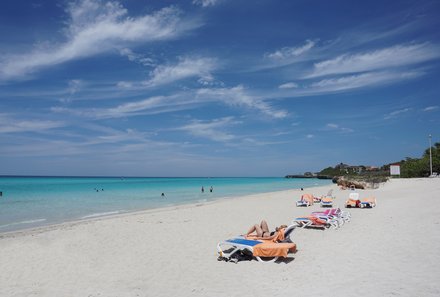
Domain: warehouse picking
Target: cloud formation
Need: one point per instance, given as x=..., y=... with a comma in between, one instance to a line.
x=185, y=68
x=213, y=130
x=289, y=85
x=95, y=27
x=395, y=56
x=13, y=125
x=291, y=52
x=430, y=108
x=238, y=96
x=205, y=3
x=396, y=113
x=336, y=127
x=359, y=81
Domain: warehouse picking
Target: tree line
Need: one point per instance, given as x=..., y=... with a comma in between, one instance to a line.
x=419, y=167
x=409, y=167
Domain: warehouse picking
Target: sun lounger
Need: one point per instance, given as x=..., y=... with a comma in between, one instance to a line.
x=306, y=200
x=311, y=222
x=327, y=202
x=353, y=200
x=262, y=250
x=337, y=212
x=328, y=195
x=368, y=202
x=335, y=216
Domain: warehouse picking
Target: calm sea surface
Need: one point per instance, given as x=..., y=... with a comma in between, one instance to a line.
x=37, y=201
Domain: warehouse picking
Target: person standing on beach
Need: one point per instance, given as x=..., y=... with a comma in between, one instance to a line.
x=203, y=189
x=211, y=189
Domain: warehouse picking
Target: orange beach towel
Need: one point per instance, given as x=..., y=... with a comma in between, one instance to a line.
x=273, y=249
x=327, y=199
x=351, y=202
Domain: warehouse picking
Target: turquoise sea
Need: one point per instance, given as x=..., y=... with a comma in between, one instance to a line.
x=28, y=202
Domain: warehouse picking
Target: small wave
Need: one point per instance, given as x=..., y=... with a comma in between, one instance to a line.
x=100, y=214
x=23, y=222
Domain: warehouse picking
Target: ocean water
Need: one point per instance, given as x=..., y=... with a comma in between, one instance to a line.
x=29, y=202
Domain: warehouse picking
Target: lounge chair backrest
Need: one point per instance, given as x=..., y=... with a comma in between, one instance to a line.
x=353, y=196
x=288, y=231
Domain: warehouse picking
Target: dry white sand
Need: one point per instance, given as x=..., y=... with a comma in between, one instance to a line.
x=390, y=250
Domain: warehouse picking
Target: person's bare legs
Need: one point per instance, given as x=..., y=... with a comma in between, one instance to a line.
x=264, y=226
x=256, y=228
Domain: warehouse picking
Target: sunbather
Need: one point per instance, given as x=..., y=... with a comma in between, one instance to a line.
x=262, y=231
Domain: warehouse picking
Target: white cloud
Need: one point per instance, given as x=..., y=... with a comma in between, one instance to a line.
x=213, y=130
x=336, y=127
x=359, y=81
x=189, y=99
x=185, y=68
x=13, y=125
x=205, y=3
x=332, y=126
x=237, y=96
x=95, y=27
x=396, y=113
x=289, y=52
x=137, y=58
x=124, y=84
x=430, y=108
x=152, y=105
x=309, y=136
x=396, y=56
x=289, y=85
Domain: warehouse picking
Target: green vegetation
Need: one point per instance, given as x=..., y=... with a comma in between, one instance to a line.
x=411, y=167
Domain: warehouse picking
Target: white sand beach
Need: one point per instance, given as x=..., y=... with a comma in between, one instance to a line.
x=390, y=250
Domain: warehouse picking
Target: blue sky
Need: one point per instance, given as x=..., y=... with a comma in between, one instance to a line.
x=215, y=87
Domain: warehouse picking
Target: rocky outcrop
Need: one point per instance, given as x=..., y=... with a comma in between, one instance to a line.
x=371, y=182
x=346, y=183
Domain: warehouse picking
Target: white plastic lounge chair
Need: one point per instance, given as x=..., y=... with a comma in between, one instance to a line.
x=336, y=213
x=326, y=202
x=368, y=203
x=306, y=200
x=227, y=249
x=315, y=222
x=353, y=200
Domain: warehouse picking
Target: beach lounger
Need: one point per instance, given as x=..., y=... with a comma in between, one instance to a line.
x=306, y=200
x=368, y=202
x=326, y=202
x=353, y=200
x=263, y=250
x=337, y=212
x=317, y=199
x=328, y=195
x=336, y=216
x=312, y=222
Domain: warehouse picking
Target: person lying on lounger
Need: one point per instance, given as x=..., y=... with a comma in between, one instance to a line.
x=262, y=230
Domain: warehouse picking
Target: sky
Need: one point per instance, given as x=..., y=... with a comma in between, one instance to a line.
x=215, y=87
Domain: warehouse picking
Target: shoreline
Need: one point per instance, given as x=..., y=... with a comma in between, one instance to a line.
x=172, y=251
x=71, y=223
x=123, y=197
